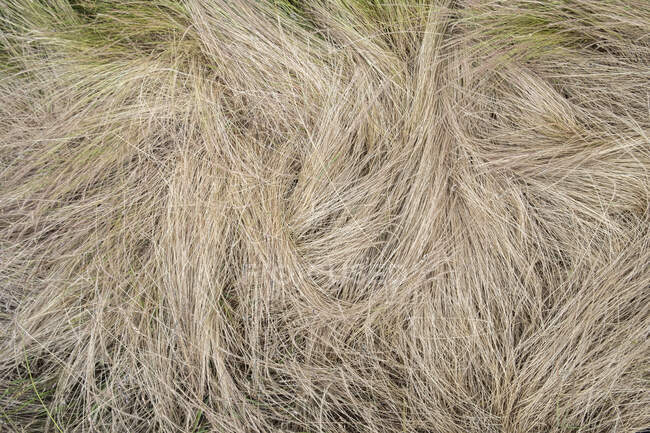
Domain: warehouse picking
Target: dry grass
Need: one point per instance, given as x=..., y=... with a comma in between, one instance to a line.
x=324, y=216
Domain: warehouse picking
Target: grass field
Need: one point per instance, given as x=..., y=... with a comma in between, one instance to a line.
x=320, y=216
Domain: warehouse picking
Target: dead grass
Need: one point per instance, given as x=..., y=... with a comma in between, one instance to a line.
x=324, y=216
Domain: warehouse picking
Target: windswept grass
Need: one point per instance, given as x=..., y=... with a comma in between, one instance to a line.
x=324, y=216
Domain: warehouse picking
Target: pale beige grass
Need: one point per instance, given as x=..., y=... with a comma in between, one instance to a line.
x=324, y=216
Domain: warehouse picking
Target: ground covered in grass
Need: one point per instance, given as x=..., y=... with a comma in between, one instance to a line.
x=324, y=216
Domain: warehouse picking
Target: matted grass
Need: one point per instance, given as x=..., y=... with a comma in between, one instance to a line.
x=324, y=216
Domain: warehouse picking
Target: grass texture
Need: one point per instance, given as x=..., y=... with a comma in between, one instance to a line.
x=320, y=216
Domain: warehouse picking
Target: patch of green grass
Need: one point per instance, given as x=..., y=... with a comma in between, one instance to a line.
x=526, y=32
x=530, y=29
x=125, y=30
x=101, y=31
x=290, y=7
x=38, y=395
x=198, y=426
x=294, y=12
x=26, y=398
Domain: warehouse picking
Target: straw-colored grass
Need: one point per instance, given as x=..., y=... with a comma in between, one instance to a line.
x=324, y=216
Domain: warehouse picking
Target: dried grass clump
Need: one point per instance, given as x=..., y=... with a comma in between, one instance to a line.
x=324, y=216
